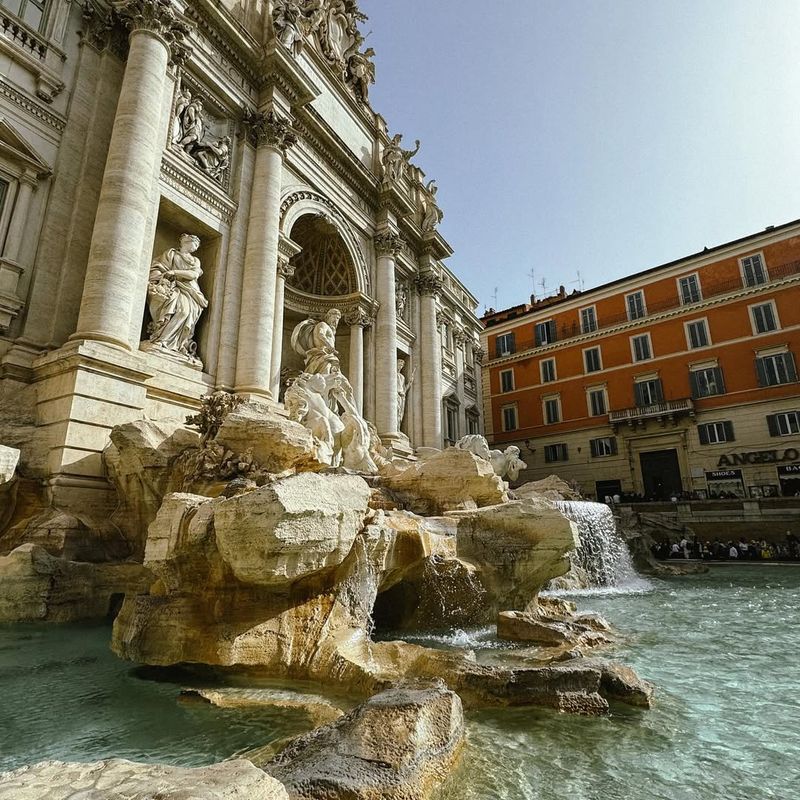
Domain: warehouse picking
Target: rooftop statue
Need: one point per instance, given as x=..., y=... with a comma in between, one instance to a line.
x=395, y=159
x=322, y=400
x=432, y=215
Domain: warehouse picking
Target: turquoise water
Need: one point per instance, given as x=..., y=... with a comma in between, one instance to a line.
x=722, y=649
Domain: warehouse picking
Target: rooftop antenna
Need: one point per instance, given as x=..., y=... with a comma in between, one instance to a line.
x=532, y=276
x=579, y=281
x=543, y=284
x=494, y=299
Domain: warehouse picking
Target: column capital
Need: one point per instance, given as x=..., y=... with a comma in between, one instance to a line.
x=460, y=336
x=269, y=130
x=285, y=269
x=429, y=282
x=158, y=17
x=388, y=243
x=479, y=352
x=359, y=316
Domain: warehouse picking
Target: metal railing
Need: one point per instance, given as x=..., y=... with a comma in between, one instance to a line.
x=663, y=409
x=566, y=332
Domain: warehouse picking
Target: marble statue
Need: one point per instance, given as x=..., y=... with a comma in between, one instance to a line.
x=403, y=386
x=174, y=298
x=288, y=19
x=360, y=72
x=395, y=158
x=214, y=157
x=188, y=132
x=322, y=399
x=401, y=299
x=181, y=104
x=505, y=463
x=432, y=215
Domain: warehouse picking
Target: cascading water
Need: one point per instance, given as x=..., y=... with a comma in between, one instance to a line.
x=602, y=554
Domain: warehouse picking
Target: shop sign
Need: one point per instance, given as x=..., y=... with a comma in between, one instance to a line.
x=790, y=469
x=724, y=475
x=759, y=457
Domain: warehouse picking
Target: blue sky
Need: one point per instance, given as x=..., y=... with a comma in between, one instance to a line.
x=605, y=136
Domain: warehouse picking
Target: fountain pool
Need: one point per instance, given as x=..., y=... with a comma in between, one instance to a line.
x=721, y=649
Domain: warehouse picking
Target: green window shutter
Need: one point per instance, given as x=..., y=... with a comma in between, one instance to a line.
x=593, y=447
x=720, y=379
x=729, y=437
x=637, y=391
x=761, y=372
x=659, y=391
x=614, y=446
x=703, y=431
x=551, y=331
x=791, y=369
x=772, y=425
x=695, y=386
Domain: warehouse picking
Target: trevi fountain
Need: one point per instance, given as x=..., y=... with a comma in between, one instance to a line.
x=242, y=552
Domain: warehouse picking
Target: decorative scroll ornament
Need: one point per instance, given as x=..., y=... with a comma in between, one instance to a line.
x=388, y=243
x=429, y=283
x=359, y=316
x=270, y=130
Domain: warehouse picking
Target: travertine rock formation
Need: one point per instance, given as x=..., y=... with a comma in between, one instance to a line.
x=398, y=745
x=37, y=586
x=118, y=779
x=550, y=488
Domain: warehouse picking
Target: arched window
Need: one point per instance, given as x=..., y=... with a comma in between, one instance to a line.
x=323, y=267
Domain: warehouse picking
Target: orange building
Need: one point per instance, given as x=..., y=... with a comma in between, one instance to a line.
x=678, y=379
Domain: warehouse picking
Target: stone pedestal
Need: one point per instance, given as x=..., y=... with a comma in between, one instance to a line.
x=272, y=136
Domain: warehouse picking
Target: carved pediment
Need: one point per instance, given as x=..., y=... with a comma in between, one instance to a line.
x=14, y=147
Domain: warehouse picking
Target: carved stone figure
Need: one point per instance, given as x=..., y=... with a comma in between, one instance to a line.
x=395, y=159
x=188, y=131
x=505, y=463
x=322, y=400
x=192, y=125
x=288, y=19
x=360, y=73
x=432, y=215
x=181, y=104
x=174, y=298
x=214, y=157
x=401, y=299
x=403, y=386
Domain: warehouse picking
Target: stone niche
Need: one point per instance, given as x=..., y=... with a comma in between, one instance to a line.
x=173, y=221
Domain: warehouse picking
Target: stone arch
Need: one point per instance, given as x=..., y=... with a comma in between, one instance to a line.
x=304, y=202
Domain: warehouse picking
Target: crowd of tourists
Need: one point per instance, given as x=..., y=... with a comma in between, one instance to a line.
x=733, y=550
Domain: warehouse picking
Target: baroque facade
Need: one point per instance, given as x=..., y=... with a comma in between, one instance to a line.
x=678, y=380
x=184, y=182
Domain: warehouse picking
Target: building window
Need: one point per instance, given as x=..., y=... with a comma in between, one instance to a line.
x=754, y=273
x=548, y=369
x=545, y=332
x=604, y=446
x=689, y=289
x=510, y=418
x=451, y=420
x=706, y=382
x=764, y=317
x=634, y=302
x=552, y=410
x=591, y=360
x=785, y=424
x=715, y=432
x=588, y=319
x=597, y=402
x=648, y=392
x=504, y=344
x=29, y=11
x=697, y=334
x=641, y=348
x=772, y=370
x=555, y=452
x=473, y=421
x=507, y=380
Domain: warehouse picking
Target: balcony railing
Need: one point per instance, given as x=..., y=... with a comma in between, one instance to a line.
x=666, y=409
x=18, y=32
x=565, y=332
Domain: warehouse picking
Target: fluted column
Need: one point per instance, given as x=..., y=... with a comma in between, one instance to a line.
x=19, y=218
x=127, y=191
x=460, y=340
x=272, y=136
x=479, y=354
x=358, y=319
x=387, y=246
x=430, y=284
x=285, y=271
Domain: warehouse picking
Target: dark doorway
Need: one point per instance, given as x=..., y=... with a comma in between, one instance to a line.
x=661, y=474
x=607, y=489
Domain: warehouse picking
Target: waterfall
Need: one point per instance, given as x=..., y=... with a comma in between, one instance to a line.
x=603, y=553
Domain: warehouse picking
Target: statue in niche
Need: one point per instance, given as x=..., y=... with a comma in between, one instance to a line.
x=192, y=126
x=181, y=104
x=322, y=399
x=214, y=157
x=432, y=215
x=175, y=301
x=401, y=300
x=395, y=159
x=403, y=386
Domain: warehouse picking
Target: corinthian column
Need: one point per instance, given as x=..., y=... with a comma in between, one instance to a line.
x=460, y=338
x=387, y=246
x=287, y=248
x=357, y=319
x=429, y=285
x=129, y=180
x=272, y=136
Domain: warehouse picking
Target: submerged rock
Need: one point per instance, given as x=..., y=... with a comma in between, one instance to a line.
x=118, y=779
x=398, y=745
x=517, y=626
